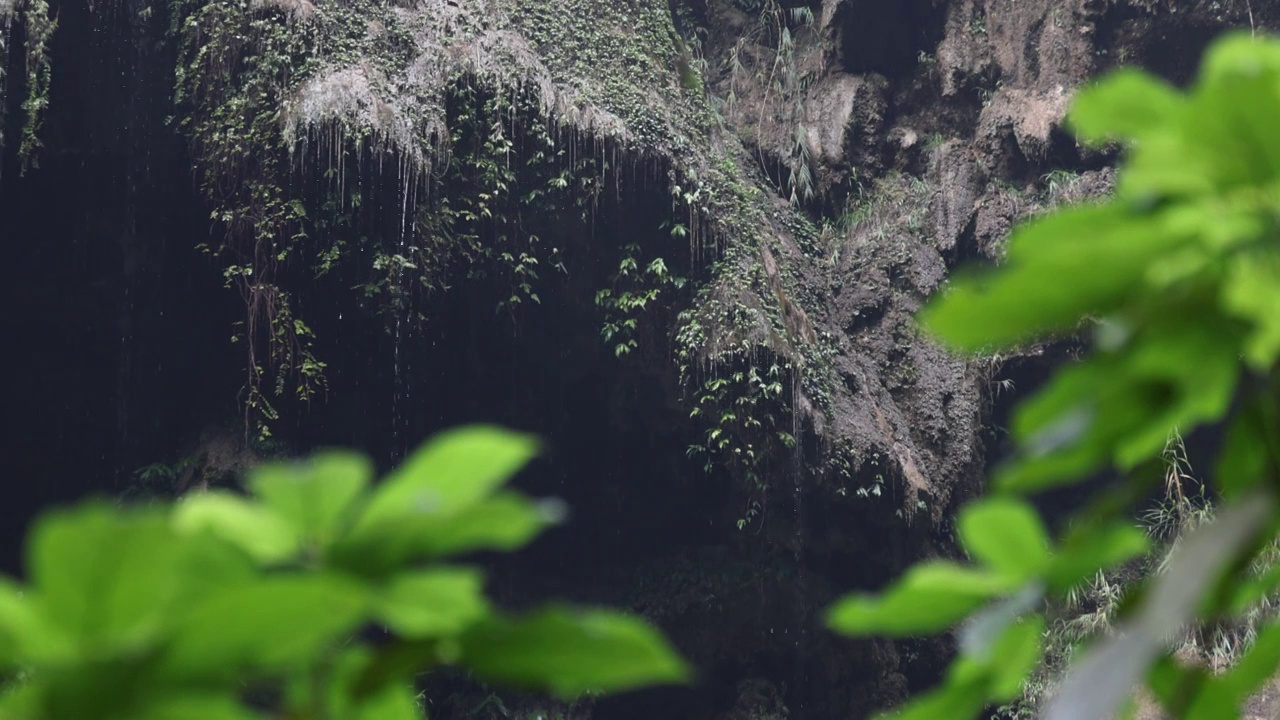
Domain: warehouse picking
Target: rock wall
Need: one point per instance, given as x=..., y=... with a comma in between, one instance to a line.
x=641, y=228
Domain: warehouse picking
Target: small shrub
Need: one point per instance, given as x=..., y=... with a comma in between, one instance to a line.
x=229, y=607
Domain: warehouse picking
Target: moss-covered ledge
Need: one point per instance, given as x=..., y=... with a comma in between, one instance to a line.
x=477, y=115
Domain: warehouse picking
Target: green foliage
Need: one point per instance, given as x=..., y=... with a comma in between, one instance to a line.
x=227, y=606
x=1177, y=277
x=234, y=67
x=784, y=83
x=1090, y=610
x=39, y=27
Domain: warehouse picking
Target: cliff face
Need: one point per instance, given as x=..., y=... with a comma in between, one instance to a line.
x=683, y=239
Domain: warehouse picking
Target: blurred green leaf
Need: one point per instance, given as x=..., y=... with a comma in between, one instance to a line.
x=1251, y=292
x=1126, y=104
x=570, y=652
x=1243, y=460
x=318, y=495
x=196, y=707
x=1097, y=685
x=278, y=621
x=1015, y=656
x=430, y=603
x=1240, y=82
x=396, y=702
x=1091, y=547
x=931, y=597
x=506, y=521
x=256, y=529
x=1255, y=668
x=1105, y=249
x=1172, y=683
x=393, y=699
x=25, y=633
x=952, y=700
x=452, y=473
x=1005, y=534
x=107, y=578
x=110, y=687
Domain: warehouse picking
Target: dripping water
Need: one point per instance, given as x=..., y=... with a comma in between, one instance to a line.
x=408, y=183
x=801, y=613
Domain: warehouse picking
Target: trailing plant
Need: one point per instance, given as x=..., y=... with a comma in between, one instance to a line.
x=633, y=289
x=1177, y=279
x=783, y=82
x=742, y=396
x=510, y=172
x=38, y=28
x=234, y=66
x=637, y=284
x=488, y=176
x=263, y=606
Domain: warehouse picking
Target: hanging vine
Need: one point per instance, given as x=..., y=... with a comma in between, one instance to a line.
x=38, y=27
x=235, y=65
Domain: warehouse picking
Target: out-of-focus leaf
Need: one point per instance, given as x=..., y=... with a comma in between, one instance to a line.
x=1251, y=292
x=279, y=621
x=396, y=663
x=430, y=603
x=453, y=472
x=256, y=529
x=506, y=521
x=106, y=577
x=1257, y=666
x=1119, y=408
x=1191, y=362
x=983, y=631
x=1006, y=534
x=1105, y=249
x=393, y=703
x=1172, y=683
x=1088, y=549
x=111, y=687
x=1100, y=683
x=1069, y=429
x=1240, y=81
x=930, y=598
x=569, y=652
x=21, y=701
x=1219, y=696
x=193, y=707
x=25, y=633
x=1242, y=461
x=954, y=700
x=391, y=700
x=318, y=495
x=1016, y=655
x=1124, y=105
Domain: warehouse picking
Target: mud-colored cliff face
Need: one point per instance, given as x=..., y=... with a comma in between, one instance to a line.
x=683, y=239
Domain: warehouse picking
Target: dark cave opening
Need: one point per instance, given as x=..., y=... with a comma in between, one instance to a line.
x=888, y=38
x=615, y=430
x=119, y=328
